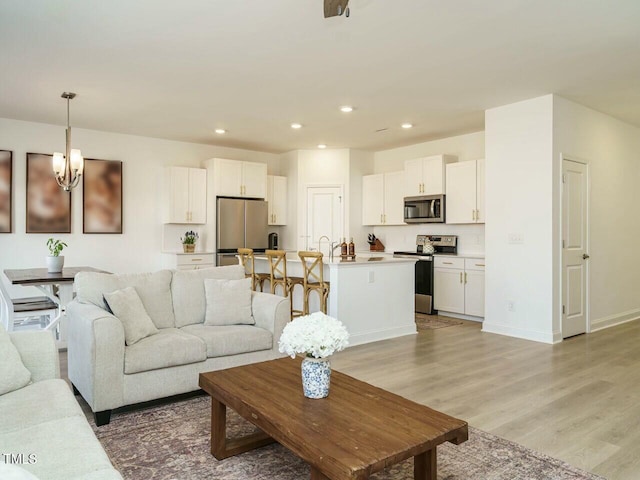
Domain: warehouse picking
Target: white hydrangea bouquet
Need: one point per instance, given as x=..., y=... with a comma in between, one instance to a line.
x=316, y=335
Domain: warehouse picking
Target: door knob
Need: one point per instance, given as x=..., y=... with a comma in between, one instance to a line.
x=585, y=256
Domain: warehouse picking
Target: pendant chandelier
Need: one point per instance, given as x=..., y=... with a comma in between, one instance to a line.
x=68, y=168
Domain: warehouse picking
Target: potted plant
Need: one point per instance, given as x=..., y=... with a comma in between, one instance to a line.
x=189, y=241
x=317, y=336
x=55, y=262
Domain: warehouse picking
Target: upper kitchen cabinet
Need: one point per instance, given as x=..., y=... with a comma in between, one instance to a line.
x=277, y=199
x=240, y=179
x=465, y=192
x=383, y=199
x=426, y=176
x=186, y=195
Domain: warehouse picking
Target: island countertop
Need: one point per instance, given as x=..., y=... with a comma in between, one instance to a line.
x=364, y=260
x=373, y=298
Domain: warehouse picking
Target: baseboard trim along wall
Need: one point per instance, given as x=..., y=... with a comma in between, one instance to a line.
x=461, y=316
x=613, y=320
x=377, y=335
x=533, y=335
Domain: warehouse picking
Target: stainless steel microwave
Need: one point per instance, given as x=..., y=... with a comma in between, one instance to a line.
x=424, y=209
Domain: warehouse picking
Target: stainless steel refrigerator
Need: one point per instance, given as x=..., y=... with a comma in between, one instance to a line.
x=241, y=224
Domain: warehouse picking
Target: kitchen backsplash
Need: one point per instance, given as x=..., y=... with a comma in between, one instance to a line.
x=403, y=237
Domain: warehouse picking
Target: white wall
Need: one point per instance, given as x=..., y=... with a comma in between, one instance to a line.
x=403, y=237
x=519, y=200
x=138, y=248
x=612, y=150
x=360, y=163
x=465, y=147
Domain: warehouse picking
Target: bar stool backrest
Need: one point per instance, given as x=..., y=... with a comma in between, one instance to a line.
x=277, y=263
x=312, y=267
x=247, y=260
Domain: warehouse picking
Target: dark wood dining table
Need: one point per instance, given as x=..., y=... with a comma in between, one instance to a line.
x=57, y=286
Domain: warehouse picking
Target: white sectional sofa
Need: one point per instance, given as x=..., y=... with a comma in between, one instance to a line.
x=110, y=374
x=42, y=428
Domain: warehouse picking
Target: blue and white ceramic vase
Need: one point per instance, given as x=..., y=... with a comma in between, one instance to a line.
x=316, y=377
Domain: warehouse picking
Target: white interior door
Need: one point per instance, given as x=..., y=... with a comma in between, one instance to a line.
x=324, y=216
x=574, y=253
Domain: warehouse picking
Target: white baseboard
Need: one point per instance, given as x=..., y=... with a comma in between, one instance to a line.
x=533, y=335
x=613, y=320
x=377, y=335
x=460, y=316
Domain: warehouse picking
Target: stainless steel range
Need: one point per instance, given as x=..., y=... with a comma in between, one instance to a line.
x=426, y=247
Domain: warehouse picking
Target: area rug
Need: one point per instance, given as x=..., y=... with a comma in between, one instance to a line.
x=430, y=322
x=171, y=442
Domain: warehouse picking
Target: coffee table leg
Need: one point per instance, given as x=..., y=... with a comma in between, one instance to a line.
x=425, y=466
x=218, y=429
x=221, y=446
x=318, y=475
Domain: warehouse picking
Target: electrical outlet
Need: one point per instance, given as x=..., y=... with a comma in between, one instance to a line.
x=511, y=306
x=516, y=238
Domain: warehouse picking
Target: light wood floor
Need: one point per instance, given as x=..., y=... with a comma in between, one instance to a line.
x=578, y=401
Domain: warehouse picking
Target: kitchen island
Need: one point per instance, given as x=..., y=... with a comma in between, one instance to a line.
x=373, y=297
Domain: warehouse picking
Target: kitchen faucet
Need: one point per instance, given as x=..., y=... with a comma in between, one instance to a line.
x=320, y=242
x=334, y=246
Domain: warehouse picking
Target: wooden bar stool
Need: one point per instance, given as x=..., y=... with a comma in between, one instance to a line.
x=278, y=277
x=247, y=260
x=314, y=279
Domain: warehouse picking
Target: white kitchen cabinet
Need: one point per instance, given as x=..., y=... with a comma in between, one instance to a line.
x=189, y=261
x=234, y=178
x=185, y=195
x=465, y=192
x=458, y=285
x=383, y=199
x=426, y=176
x=277, y=199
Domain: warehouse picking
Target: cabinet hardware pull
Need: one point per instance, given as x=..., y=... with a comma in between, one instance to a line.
x=477, y=215
x=196, y=259
x=447, y=263
x=460, y=277
x=480, y=264
x=385, y=218
x=465, y=277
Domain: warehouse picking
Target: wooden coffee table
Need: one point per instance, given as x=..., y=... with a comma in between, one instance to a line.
x=357, y=430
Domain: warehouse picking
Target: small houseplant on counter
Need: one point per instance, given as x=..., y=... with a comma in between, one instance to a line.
x=189, y=241
x=55, y=262
x=317, y=336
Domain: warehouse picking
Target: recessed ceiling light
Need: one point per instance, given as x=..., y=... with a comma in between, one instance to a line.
x=220, y=131
x=322, y=145
x=296, y=125
x=346, y=109
x=407, y=125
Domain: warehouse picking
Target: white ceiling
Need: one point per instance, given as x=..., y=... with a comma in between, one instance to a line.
x=179, y=69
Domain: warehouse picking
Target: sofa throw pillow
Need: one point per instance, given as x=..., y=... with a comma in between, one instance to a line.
x=13, y=374
x=127, y=306
x=154, y=289
x=187, y=290
x=228, y=302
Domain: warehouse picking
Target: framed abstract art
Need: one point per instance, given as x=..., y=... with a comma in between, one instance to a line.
x=48, y=205
x=102, y=196
x=6, y=174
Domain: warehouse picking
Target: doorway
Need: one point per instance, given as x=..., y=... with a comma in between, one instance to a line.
x=575, y=242
x=325, y=214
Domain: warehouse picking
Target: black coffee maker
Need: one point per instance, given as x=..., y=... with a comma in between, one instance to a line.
x=273, y=241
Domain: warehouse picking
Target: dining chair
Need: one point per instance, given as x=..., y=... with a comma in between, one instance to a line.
x=278, y=277
x=313, y=279
x=247, y=260
x=23, y=310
